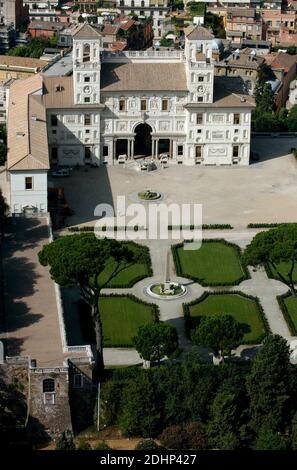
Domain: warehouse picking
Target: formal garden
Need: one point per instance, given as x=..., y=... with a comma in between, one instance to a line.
x=244, y=309
x=216, y=263
x=127, y=272
x=288, y=305
x=122, y=316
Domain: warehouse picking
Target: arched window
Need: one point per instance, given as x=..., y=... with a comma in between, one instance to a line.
x=48, y=385
x=86, y=53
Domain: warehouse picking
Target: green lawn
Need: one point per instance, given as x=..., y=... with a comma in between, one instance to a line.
x=129, y=274
x=215, y=263
x=283, y=268
x=121, y=318
x=243, y=309
x=291, y=307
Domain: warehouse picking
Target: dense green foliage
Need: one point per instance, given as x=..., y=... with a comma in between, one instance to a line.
x=146, y=444
x=184, y=436
x=79, y=260
x=154, y=341
x=215, y=263
x=121, y=318
x=35, y=47
x=13, y=413
x=264, y=116
x=245, y=310
x=276, y=248
x=65, y=442
x=194, y=404
x=222, y=333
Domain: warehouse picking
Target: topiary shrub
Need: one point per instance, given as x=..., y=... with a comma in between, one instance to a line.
x=146, y=444
x=84, y=445
x=102, y=446
x=184, y=436
x=65, y=441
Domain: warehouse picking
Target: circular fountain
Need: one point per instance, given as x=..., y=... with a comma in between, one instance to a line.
x=167, y=290
x=148, y=195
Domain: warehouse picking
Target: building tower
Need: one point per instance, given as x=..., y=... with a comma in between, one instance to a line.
x=86, y=65
x=200, y=69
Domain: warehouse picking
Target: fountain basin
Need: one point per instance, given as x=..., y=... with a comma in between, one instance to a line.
x=166, y=291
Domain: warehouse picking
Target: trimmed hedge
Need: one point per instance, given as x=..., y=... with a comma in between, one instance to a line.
x=268, y=225
x=136, y=228
x=188, y=318
x=154, y=311
x=92, y=228
x=285, y=312
x=204, y=227
x=179, y=271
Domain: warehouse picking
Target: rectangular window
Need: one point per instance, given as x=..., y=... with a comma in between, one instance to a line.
x=54, y=153
x=200, y=99
x=198, y=151
x=199, y=118
x=86, y=79
x=54, y=120
x=235, y=151
x=143, y=105
x=200, y=79
x=165, y=105
x=105, y=150
x=122, y=105
x=236, y=118
x=77, y=380
x=28, y=182
x=180, y=150
x=87, y=99
x=87, y=153
x=87, y=119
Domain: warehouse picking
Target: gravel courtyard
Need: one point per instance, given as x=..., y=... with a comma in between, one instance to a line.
x=265, y=191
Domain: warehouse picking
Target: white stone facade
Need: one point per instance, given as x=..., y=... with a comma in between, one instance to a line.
x=28, y=191
x=192, y=125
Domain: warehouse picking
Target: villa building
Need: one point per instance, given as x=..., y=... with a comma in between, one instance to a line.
x=132, y=103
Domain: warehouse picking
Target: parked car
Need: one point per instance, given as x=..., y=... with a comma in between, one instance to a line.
x=61, y=172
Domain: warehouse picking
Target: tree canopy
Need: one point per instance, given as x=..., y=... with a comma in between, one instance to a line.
x=269, y=384
x=154, y=341
x=272, y=247
x=79, y=260
x=220, y=332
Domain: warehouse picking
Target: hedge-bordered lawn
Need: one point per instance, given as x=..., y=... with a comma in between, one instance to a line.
x=288, y=304
x=130, y=273
x=283, y=267
x=216, y=263
x=244, y=309
x=121, y=318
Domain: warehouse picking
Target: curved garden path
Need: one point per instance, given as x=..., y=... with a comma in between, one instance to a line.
x=259, y=285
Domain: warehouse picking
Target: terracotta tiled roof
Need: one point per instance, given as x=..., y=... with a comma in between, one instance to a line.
x=118, y=46
x=145, y=76
x=244, y=12
x=26, y=62
x=58, y=93
x=27, y=135
x=199, y=33
x=86, y=32
x=281, y=60
x=126, y=24
x=110, y=29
